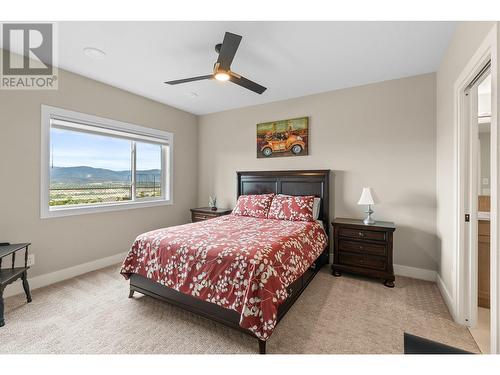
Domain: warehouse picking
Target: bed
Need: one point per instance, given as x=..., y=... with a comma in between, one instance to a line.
x=244, y=272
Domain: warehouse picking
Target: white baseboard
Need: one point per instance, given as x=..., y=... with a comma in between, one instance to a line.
x=415, y=273
x=64, y=274
x=447, y=297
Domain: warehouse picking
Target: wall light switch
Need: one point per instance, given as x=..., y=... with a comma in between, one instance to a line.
x=31, y=259
x=485, y=180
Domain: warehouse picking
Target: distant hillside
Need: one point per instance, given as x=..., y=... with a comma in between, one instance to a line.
x=87, y=175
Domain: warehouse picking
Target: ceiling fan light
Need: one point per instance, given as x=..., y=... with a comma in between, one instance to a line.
x=222, y=76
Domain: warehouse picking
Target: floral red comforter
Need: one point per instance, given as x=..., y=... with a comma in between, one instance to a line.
x=240, y=263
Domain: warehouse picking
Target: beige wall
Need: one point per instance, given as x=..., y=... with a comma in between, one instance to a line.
x=380, y=135
x=464, y=44
x=67, y=241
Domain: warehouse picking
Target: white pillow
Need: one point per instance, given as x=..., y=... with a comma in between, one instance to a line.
x=316, y=205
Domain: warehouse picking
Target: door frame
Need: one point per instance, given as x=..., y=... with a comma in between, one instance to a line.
x=465, y=261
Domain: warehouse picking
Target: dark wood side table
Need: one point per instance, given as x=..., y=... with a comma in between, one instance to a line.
x=9, y=275
x=205, y=213
x=363, y=249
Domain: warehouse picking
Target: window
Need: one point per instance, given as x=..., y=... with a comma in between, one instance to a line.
x=92, y=164
x=148, y=170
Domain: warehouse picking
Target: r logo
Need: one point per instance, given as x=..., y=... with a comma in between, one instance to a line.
x=36, y=40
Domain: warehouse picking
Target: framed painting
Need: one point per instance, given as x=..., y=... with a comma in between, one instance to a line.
x=283, y=138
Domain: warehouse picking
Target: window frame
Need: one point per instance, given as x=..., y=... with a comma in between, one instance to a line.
x=103, y=126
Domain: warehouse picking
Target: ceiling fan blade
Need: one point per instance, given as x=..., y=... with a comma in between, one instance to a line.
x=246, y=83
x=199, y=78
x=228, y=50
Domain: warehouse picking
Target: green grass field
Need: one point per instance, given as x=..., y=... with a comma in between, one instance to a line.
x=61, y=195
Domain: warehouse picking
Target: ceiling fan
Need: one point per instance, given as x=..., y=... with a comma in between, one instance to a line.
x=222, y=68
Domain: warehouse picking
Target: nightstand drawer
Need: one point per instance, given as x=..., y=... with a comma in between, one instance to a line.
x=357, y=260
x=362, y=247
x=201, y=217
x=362, y=234
x=206, y=213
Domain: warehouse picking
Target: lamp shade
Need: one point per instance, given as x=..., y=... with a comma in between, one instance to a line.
x=366, y=197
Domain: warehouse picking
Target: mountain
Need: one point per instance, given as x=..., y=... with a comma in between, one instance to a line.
x=88, y=175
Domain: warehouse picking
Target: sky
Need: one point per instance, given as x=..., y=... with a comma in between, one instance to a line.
x=75, y=149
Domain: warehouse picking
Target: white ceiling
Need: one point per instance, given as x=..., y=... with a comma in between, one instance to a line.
x=291, y=59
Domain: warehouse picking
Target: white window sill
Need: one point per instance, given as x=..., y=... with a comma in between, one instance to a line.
x=92, y=209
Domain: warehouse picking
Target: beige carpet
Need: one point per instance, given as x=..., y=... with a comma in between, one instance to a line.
x=92, y=314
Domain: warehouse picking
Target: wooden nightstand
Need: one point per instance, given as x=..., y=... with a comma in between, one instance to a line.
x=205, y=213
x=363, y=249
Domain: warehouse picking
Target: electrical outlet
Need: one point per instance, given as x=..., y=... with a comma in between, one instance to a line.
x=485, y=180
x=31, y=259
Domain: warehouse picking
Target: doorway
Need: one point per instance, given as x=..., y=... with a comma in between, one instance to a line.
x=464, y=304
x=478, y=101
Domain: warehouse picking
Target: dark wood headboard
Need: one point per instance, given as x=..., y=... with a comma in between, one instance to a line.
x=292, y=182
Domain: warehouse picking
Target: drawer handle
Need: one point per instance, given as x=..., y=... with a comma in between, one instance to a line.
x=361, y=234
x=360, y=247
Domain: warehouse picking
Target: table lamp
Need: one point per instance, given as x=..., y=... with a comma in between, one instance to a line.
x=367, y=199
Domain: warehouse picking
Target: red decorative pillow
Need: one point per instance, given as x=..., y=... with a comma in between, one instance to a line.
x=253, y=205
x=294, y=208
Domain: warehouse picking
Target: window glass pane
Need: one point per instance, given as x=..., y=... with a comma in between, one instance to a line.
x=148, y=170
x=88, y=168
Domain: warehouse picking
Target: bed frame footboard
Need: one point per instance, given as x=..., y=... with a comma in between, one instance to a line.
x=215, y=312
x=262, y=347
